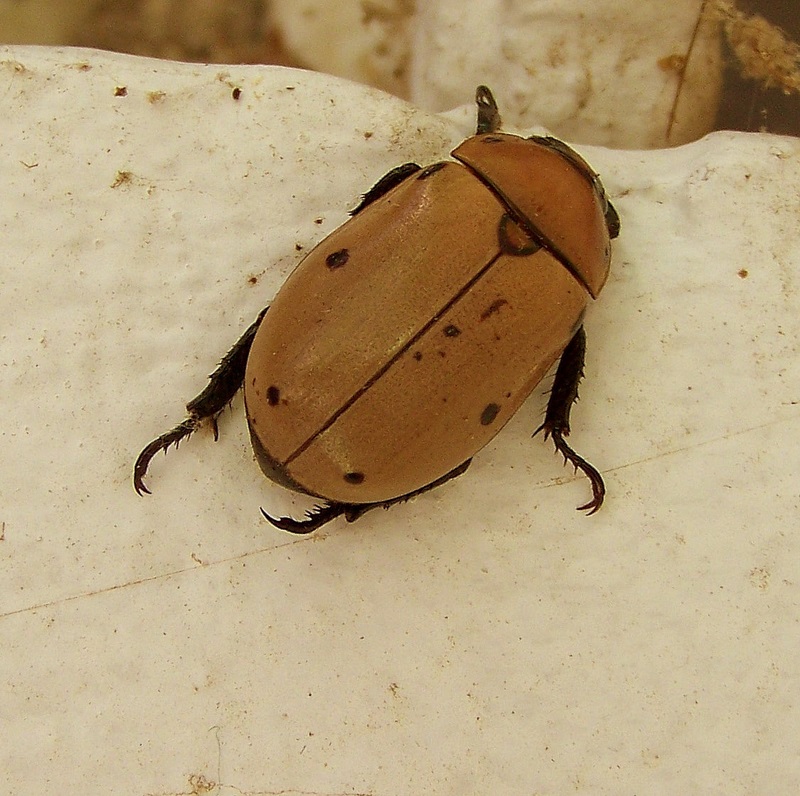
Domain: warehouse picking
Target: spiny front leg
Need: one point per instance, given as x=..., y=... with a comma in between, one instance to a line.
x=556, y=420
x=223, y=384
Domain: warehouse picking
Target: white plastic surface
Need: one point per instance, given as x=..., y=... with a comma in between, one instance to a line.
x=607, y=72
x=484, y=638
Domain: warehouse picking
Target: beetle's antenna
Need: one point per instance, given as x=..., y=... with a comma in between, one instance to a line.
x=489, y=120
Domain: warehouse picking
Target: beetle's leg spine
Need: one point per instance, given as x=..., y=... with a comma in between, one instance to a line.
x=556, y=421
x=222, y=386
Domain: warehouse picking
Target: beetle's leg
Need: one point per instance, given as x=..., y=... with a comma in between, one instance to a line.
x=315, y=518
x=385, y=184
x=612, y=220
x=223, y=384
x=556, y=420
x=320, y=515
x=489, y=120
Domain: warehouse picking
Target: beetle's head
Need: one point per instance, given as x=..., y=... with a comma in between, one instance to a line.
x=489, y=120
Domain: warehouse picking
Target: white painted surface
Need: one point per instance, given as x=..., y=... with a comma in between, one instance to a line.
x=485, y=638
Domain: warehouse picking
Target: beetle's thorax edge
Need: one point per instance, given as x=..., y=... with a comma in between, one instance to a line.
x=521, y=219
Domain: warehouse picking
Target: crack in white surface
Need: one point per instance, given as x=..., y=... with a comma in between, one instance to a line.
x=320, y=536
x=150, y=579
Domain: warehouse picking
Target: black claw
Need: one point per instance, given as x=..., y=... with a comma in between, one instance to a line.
x=172, y=437
x=316, y=518
x=579, y=463
x=592, y=506
x=140, y=488
x=598, y=490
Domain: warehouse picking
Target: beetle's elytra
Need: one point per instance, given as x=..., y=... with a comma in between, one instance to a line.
x=408, y=337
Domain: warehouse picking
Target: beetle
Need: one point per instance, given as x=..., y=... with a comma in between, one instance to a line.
x=405, y=340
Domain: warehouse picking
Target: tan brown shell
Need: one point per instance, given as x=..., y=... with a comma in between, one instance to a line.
x=407, y=338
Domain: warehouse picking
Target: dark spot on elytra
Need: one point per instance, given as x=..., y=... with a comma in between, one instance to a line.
x=418, y=355
x=493, y=308
x=273, y=395
x=451, y=331
x=337, y=259
x=426, y=172
x=354, y=478
x=489, y=413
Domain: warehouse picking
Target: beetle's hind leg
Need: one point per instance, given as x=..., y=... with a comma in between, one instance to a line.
x=315, y=518
x=556, y=420
x=222, y=385
x=320, y=515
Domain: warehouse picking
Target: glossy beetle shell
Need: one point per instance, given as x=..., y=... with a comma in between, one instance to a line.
x=407, y=338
